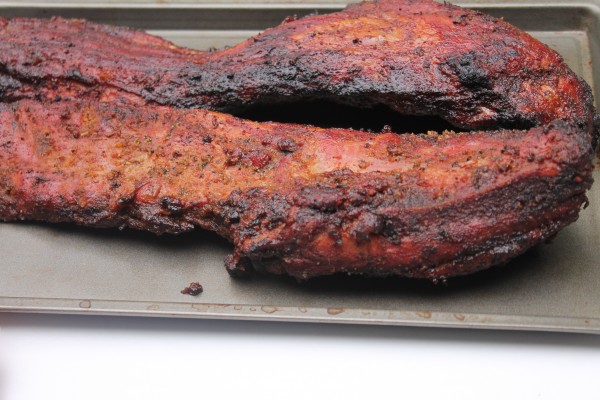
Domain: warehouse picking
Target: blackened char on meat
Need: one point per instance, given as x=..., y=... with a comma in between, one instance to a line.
x=417, y=57
x=102, y=132
x=428, y=206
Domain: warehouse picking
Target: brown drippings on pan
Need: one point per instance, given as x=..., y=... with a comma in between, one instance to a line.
x=194, y=289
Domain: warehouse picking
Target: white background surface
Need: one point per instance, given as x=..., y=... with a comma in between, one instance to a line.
x=92, y=357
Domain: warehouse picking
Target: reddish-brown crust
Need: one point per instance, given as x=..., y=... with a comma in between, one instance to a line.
x=301, y=200
x=295, y=199
x=417, y=57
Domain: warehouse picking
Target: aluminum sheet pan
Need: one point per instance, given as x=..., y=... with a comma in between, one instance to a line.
x=66, y=269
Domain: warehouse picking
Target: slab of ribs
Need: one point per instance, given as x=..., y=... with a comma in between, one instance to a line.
x=110, y=127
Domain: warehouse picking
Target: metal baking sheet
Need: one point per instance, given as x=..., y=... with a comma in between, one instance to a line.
x=67, y=269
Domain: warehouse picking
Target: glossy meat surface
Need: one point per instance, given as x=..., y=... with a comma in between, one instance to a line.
x=417, y=57
x=295, y=199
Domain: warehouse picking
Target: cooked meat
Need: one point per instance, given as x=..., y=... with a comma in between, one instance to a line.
x=417, y=57
x=295, y=199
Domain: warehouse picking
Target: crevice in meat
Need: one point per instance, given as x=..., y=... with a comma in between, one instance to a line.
x=329, y=114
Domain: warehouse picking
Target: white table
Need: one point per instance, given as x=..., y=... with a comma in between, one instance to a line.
x=93, y=357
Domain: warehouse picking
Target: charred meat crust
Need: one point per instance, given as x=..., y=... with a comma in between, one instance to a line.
x=429, y=206
x=417, y=57
x=301, y=200
x=434, y=242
